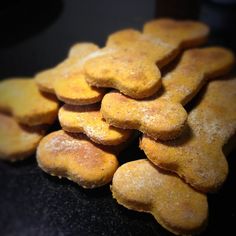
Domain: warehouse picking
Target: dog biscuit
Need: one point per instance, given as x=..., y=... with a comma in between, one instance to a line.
x=76, y=158
x=120, y=64
x=163, y=120
x=131, y=72
x=18, y=142
x=88, y=120
x=197, y=155
x=181, y=33
x=67, y=80
x=26, y=103
x=140, y=186
x=163, y=117
x=155, y=49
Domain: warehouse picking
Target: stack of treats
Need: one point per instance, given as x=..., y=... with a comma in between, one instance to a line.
x=137, y=85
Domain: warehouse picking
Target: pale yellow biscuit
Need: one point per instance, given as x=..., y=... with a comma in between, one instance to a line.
x=76, y=158
x=21, y=97
x=197, y=155
x=88, y=120
x=67, y=80
x=140, y=186
x=182, y=33
x=163, y=117
x=18, y=142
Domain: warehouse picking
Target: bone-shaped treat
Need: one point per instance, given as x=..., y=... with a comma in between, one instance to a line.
x=197, y=155
x=26, y=103
x=88, y=120
x=76, y=158
x=182, y=33
x=67, y=80
x=140, y=186
x=163, y=120
x=128, y=62
x=163, y=117
x=18, y=142
x=160, y=52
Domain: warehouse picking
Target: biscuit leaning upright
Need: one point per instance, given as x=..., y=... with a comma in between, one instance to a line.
x=21, y=98
x=163, y=117
x=67, y=80
x=18, y=142
x=128, y=62
x=140, y=186
x=197, y=156
x=88, y=120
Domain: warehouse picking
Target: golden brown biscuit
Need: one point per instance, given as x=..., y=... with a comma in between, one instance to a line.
x=140, y=186
x=67, y=80
x=154, y=48
x=76, y=158
x=81, y=50
x=163, y=117
x=181, y=33
x=197, y=155
x=88, y=120
x=45, y=79
x=195, y=67
x=131, y=72
x=18, y=142
x=26, y=103
x=127, y=63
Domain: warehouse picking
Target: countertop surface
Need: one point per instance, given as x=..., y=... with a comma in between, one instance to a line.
x=38, y=36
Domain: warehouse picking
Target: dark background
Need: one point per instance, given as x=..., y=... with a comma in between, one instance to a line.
x=36, y=35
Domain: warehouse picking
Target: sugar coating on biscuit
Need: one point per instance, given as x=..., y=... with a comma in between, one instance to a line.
x=17, y=142
x=21, y=97
x=163, y=120
x=183, y=33
x=88, y=120
x=140, y=186
x=76, y=158
x=197, y=155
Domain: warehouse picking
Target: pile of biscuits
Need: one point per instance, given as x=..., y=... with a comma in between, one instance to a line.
x=137, y=85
